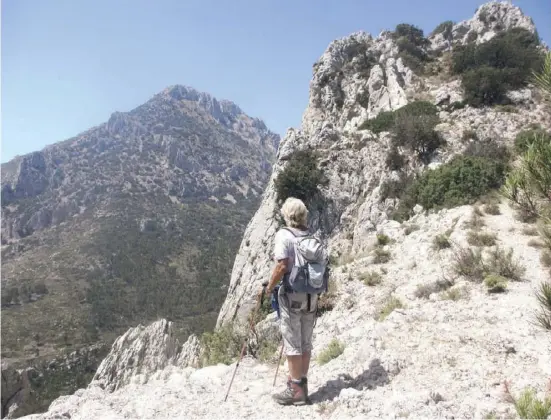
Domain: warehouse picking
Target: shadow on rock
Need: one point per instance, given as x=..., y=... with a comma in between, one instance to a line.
x=371, y=378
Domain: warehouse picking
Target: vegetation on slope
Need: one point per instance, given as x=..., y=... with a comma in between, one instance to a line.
x=300, y=178
x=488, y=70
x=461, y=181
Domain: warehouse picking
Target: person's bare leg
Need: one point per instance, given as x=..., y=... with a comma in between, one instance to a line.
x=305, y=363
x=295, y=366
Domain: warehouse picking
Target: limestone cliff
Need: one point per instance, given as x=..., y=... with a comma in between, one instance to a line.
x=355, y=79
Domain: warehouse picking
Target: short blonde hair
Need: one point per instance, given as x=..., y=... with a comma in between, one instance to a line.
x=295, y=213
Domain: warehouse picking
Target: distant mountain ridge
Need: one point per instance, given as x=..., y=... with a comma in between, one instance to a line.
x=136, y=218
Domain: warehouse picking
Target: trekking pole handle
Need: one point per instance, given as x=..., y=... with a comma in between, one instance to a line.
x=264, y=285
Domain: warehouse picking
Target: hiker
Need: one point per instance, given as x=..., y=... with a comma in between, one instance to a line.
x=297, y=309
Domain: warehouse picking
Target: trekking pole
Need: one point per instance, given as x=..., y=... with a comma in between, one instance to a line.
x=259, y=303
x=278, y=363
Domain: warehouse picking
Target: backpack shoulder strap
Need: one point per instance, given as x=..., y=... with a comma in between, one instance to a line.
x=306, y=235
x=289, y=230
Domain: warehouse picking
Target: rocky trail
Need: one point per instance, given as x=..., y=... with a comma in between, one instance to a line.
x=432, y=358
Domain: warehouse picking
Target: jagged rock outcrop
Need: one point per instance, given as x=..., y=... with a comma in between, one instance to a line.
x=138, y=353
x=356, y=78
x=190, y=354
x=489, y=19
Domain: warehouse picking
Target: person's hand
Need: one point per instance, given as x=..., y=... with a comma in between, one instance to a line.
x=265, y=288
x=261, y=292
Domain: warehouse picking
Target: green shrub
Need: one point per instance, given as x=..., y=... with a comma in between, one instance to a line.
x=412, y=33
x=394, y=160
x=418, y=108
x=412, y=127
x=461, y=181
x=495, y=283
x=381, y=256
x=456, y=105
x=492, y=68
x=529, y=406
x=445, y=28
x=545, y=258
x=485, y=86
x=300, y=178
x=489, y=149
x=384, y=121
x=529, y=185
x=333, y=350
x=388, y=307
x=481, y=238
x=441, y=241
x=525, y=138
x=469, y=263
x=516, y=48
x=501, y=262
x=425, y=290
x=543, y=295
x=266, y=350
x=382, y=239
x=411, y=228
x=371, y=278
x=454, y=294
x=492, y=208
x=221, y=346
x=395, y=188
x=416, y=132
x=411, y=42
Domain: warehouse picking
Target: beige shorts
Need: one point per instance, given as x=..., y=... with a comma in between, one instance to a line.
x=297, y=324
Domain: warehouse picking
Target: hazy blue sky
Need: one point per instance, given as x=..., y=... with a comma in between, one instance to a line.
x=67, y=65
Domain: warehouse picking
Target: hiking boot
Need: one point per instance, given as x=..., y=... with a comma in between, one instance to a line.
x=304, y=384
x=293, y=395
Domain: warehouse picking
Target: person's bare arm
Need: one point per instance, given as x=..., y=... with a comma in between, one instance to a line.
x=278, y=273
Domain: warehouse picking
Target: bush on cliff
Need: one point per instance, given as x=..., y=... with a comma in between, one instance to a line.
x=461, y=181
x=300, y=178
x=492, y=68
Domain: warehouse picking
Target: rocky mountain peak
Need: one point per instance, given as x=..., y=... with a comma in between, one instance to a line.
x=222, y=110
x=489, y=19
x=134, y=217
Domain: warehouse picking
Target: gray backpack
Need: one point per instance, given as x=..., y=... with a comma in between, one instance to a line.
x=309, y=273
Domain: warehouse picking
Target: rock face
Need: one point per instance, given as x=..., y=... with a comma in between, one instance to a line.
x=139, y=352
x=190, y=353
x=356, y=78
x=135, y=219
